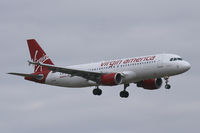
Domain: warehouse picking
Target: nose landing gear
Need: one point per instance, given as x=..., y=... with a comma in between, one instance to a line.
x=167, y=86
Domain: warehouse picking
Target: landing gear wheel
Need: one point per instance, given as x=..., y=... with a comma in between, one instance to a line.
x=124, y=94
x=97, y=92
x=167, y=86
x=121, y=94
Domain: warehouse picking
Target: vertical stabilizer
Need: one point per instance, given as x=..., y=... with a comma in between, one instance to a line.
x=38, y=55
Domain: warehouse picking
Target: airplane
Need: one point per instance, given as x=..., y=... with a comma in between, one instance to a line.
x=146, y=71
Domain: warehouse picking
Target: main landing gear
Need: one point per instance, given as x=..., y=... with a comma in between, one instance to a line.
x=97, y=91
x=124, y=93
x=167, y=86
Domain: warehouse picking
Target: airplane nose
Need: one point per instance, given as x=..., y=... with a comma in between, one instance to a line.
x=186, y=66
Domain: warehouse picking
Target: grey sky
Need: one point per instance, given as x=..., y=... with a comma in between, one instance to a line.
x=83, y=31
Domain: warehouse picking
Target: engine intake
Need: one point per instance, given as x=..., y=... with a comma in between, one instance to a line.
x=111, y=79
x=150, y=84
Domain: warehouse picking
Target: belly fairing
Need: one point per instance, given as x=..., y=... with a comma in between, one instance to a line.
x=66, y=80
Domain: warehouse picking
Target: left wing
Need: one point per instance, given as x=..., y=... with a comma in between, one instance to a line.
x=94, y=76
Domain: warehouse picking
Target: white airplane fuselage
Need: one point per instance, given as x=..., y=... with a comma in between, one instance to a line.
x=145, y=71
x=132, y=69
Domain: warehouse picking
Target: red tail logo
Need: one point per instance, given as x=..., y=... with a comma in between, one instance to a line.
x=38, y=55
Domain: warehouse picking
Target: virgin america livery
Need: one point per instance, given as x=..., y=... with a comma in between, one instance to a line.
x=146, y=71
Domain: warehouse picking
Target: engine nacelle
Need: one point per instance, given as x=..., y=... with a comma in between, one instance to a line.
x=150, y=84
x=111, y=79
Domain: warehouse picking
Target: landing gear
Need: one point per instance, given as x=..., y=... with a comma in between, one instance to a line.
x=167, y=86
x=97, y=91
x=124, y=93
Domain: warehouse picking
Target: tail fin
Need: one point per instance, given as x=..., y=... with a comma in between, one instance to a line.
x=38, y=55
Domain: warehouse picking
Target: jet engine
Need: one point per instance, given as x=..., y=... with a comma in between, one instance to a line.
x=111, y=79
x=150, y=84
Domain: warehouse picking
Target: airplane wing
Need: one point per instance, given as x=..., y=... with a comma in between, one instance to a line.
x=94, y=76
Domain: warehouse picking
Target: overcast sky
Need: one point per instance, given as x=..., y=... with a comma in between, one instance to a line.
x=83, y=31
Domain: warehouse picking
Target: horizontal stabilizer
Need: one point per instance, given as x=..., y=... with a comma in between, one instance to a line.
x=27, y=75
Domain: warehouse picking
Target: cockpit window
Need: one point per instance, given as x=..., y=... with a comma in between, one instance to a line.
x=175, y=59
